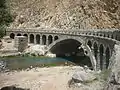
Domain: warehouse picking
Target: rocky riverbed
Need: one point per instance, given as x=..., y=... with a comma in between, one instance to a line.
x=52, y=78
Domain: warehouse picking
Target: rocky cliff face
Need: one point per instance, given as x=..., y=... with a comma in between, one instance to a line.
x=65, y=14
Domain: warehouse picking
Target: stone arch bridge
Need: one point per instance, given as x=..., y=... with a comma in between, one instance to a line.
x=97, y=44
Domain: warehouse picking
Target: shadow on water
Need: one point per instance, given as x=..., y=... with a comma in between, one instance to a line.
x=79, y=60
x=12, y=88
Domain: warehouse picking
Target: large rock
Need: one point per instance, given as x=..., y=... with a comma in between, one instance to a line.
x=36, y=50
x=83, y=76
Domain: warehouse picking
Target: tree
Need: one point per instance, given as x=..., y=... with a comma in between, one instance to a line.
x=5, y=17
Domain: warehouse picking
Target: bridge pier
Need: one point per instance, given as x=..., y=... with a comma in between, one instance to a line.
x=28, y=38
x=98, y=59
x=104, y=61
x=35, y=39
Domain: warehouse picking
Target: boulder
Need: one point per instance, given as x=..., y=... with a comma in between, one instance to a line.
x=83, y=77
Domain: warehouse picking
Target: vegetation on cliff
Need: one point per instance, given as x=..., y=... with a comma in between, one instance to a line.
x=5, y=17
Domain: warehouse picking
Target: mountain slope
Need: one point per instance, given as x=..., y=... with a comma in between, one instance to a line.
x=65, y=14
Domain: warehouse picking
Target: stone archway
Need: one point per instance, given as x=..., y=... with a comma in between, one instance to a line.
x=44, y=39
x=37, y=39
x=31, y=38
x=19, y=34
x=56, y=38
x=25, y=35
x=89, y=43
x=95, y=46
x=101, y=49
x=107, y=54
x=59, y=42
x=12, y=35
x=50, y=39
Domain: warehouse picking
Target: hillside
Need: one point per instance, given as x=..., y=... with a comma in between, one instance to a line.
x=65, y=14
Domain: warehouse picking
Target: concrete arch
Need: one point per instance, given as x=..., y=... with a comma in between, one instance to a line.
x=108, y=36
x=95, y=46
x=25, y=35
x=19, y=34
x=101, y=49
x=86, y=47
x=44, y=39
x=89, y=43
x=104, y=35
x=97, y=34
x=37, y=39
x=12, y=35
x=100, y=34
x=31, y=38
x=116, y=37
x=112, y=36
x=50, y=39
x=107, y=54
x=56, y=38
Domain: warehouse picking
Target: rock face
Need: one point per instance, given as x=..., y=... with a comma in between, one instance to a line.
x=82, y=76
x=114, y=77
x=36, y=50
x=2, y=66
x=65, y=14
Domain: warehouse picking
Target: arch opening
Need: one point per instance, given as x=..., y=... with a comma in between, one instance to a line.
x=107, y=57
x=50, y=39
x=101, y=49
x=18, y=34
x=31, y=38
x=72, y=49
x=25, y=35
x=55, y=38
x=95, y=50
x=37, y=39
x=43, y=40
x=12, y=35
x=89, y=43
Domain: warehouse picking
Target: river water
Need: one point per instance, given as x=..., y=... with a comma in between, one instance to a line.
x=20, y=62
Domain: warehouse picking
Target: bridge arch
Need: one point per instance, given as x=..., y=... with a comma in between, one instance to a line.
x=107, y=54
x=19, y=34
x=37, y=39
x=50, y=39
x=56, y=38
x=31, y=38
x=25, y=35
x=12, y=35
x=89, y=43
x=79, y=43
x=95, y=46
x=44, y=39
x=101, y=49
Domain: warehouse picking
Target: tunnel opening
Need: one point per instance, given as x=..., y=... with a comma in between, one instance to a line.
x=71, y=50
x=12, y=35
x=37, y=39
x=31, y=38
